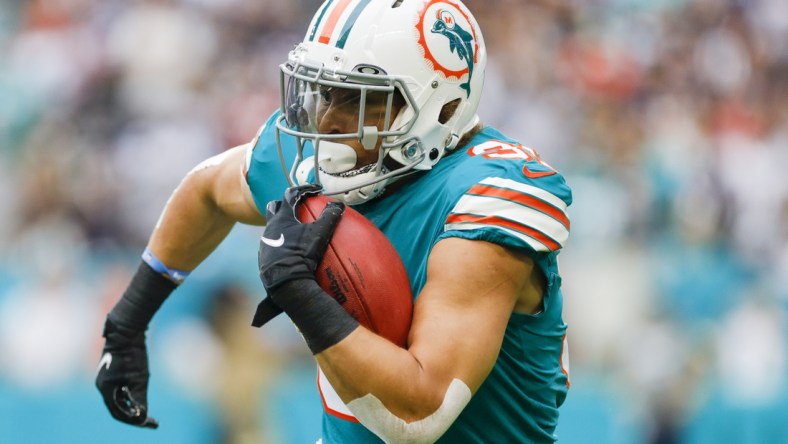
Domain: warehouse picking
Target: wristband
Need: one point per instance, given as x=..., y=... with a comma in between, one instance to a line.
x=319, y=318
x=177, y=276
x=143, y=297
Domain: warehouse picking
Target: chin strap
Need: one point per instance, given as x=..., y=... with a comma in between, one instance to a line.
x=331, y=183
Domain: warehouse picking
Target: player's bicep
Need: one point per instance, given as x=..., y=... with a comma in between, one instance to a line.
x=228, y=189
x=461, y=314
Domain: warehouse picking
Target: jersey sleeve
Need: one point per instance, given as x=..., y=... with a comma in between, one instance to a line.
x=263, y=170
x=513, y=213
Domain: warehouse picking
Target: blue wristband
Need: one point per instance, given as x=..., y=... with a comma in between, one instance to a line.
x=177, y=276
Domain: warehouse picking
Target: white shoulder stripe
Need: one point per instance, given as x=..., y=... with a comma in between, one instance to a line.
x=520, y=214
x=526, y=189
x=331, y=400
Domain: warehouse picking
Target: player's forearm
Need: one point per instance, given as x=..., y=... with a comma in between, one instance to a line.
x=191, y=225
x=364, y=363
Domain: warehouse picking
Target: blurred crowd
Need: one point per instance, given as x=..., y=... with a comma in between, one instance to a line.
x=669, y=119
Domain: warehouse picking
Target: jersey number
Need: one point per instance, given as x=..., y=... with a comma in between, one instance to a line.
x=501, y=150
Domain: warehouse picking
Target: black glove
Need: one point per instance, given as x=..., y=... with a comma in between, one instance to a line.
x=290, y=250
x=123, y=375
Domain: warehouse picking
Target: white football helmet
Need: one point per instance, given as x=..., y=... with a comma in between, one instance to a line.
x=395, y=64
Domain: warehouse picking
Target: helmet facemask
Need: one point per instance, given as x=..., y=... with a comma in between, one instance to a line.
x=331, y=112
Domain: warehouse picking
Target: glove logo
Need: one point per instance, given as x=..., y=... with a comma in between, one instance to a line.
x=105, y=361
x=274, y=242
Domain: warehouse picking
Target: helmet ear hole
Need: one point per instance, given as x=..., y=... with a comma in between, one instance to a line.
x=448, y=110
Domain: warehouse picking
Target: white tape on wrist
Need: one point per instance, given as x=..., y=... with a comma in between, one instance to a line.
x=371, y=412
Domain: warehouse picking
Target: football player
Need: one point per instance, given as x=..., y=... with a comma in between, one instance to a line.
x=378, y=110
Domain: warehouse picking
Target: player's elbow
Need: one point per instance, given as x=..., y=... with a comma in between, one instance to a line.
x=420, y=424
x=199, y=182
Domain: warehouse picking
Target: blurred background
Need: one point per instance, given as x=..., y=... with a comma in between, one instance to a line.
x=669, y=118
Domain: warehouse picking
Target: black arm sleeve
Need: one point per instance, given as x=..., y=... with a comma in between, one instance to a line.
x=143, y=297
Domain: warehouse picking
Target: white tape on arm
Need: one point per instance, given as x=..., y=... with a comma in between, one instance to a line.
x=371, y=412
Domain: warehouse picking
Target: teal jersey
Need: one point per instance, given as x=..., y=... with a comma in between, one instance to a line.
x=495, y=190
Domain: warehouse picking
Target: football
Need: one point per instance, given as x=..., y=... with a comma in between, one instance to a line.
x=364, y=273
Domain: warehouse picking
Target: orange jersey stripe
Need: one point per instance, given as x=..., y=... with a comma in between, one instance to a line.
x=332, y=21
x=505, y=223
x=524, y=199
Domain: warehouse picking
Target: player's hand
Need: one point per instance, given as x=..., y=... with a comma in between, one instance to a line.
x=123, y=376
x=290, y=250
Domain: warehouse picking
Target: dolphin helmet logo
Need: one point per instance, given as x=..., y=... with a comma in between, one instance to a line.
x=460, y=41
x=449, y=40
